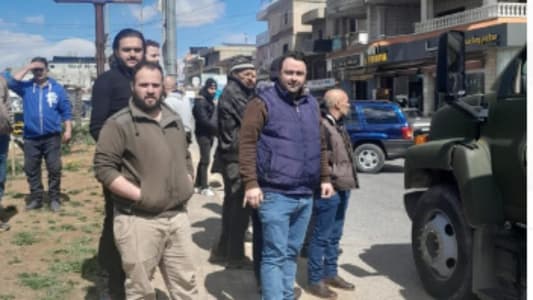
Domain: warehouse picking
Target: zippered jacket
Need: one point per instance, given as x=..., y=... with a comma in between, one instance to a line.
x=45, y=107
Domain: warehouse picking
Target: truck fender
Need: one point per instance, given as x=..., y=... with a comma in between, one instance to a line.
x=472, y=169
x=422, y=159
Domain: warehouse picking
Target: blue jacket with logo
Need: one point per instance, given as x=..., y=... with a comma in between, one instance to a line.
x=45, y=107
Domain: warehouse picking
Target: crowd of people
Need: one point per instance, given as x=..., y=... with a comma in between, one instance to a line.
x=285, y=158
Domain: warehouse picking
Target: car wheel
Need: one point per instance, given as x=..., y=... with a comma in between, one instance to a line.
x=369, y=158
x=442, y=244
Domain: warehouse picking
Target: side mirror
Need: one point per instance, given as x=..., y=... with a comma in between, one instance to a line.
x=451, y=66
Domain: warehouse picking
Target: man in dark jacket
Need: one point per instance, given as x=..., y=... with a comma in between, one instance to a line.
x=328, y=214
x=239, y=89
x=282, y=161
x=111, y=93
x=205, y=131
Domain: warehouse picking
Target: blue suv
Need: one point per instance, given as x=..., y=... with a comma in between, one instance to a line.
x=379, y=131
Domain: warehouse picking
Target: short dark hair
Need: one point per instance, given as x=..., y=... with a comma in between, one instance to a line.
x=147, y=65
x=152, y=43
x=41, y=60
x=296, y=55
x=128, y=32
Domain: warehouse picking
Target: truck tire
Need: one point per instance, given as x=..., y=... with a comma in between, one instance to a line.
x=442, y=244
x=369, y=158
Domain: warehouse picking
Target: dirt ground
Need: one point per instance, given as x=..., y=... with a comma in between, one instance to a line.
x=50, y=255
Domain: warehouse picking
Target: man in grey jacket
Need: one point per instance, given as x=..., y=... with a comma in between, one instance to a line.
x=142, y=157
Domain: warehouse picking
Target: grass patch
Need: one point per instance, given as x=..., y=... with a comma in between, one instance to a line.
x=25, y=238
x=6, y=297
x=18, y=195
x=50, y=221
x=15, y=260
x=76, y=203
x=37, y=281
x=67, y=227
x=74, y=192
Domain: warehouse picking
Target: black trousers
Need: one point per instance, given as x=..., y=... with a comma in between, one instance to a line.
x=235, y=218
x=48, y=147
x=204, y=143
x=108, y=255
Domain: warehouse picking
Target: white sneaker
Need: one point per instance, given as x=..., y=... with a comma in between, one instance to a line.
x=207, y=193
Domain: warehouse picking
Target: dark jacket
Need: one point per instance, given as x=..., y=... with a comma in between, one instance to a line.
x=230, y=111
x=204, y=114
x=340, y=156
x=152, y=155
x=111, y=93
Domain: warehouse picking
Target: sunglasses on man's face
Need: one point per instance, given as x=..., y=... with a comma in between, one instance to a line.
x=37, y=70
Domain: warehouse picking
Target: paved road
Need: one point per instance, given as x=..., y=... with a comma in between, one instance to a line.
x=377, y=251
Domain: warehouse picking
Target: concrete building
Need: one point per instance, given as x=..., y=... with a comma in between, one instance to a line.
x=73, y=71
x=399, y=60
x=286, y=30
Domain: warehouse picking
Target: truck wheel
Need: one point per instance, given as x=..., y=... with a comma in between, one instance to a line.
x=442, y=244
x=369, y=158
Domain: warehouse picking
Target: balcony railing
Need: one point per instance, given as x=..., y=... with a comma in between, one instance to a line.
x=473, y=15
x=350, y=39
x=342, y=6
x=262, y=39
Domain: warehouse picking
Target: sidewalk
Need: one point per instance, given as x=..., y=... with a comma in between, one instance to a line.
x=214, y=281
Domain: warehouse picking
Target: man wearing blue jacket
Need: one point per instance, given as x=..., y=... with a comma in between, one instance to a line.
x=46, y=106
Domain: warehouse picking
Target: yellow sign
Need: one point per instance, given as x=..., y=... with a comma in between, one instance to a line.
x=376, y=58
x=481, y=40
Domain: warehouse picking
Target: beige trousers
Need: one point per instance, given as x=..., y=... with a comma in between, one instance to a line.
x=145, y=243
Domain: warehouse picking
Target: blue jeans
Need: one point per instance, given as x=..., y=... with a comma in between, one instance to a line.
x=323, y=250
x=284, y=221
x=4, y=146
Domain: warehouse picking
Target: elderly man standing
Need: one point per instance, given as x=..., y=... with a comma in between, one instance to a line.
x=282, y=156
x=326, y=231
x=46, y=108
x=142, y=157
x=235, y=218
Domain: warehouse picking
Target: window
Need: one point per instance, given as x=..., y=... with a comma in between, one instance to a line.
x=352, y=25
x=380, y=115
x=513, y=80
x=286, y=18
x=285, y=48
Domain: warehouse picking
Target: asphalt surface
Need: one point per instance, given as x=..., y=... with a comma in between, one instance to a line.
x=377, y=251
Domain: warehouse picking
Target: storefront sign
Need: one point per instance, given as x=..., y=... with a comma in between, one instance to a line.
x=347, y=61
x=320, y=84
x=377, y=58
x=488, y=38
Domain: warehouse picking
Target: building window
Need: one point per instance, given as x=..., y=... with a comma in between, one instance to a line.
x=337, y=26
x=285, y=48
x=352, y=25
x=286, y=18
x=320, y=34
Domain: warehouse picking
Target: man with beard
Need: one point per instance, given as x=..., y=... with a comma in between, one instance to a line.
x=239, y=89
x=111, y=93
x=205, y=131
x=142, y=157
x=282, y=153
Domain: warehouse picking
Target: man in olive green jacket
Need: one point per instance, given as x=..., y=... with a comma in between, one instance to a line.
x=142, y=157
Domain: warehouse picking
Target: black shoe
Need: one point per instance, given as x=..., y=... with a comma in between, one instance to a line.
x=243, y=263
x=55, y=205
x=34, y=204
x=339, y=283
x=321, y=290
x=4, y=226
x=297, y=293
x=217, y=259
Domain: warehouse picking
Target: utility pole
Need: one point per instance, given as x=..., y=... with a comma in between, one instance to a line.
x=99, y=27
x=169, y=46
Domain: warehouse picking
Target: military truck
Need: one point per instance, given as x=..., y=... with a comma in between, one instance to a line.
x=467, y=185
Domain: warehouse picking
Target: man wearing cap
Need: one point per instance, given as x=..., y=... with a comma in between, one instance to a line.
x=239, y=89
x=46, y=107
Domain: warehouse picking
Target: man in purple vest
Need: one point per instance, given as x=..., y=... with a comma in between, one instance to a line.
x=282, y=158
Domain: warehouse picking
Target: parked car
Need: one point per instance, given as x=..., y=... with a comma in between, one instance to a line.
x=379, y=131
x=419, y=124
